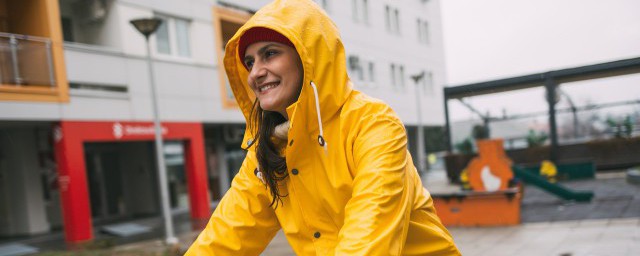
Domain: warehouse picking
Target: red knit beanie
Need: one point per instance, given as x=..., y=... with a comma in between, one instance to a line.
x=260, y=34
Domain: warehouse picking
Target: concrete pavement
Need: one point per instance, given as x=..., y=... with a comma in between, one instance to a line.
x=610, y=225
x=602, y=237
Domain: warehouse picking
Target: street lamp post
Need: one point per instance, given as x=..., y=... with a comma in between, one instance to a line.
x=420, y=132
x=147, y=27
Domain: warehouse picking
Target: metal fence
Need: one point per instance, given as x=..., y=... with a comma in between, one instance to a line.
x=26, y=61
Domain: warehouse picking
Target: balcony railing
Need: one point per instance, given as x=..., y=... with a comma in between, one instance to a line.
x=26, y=61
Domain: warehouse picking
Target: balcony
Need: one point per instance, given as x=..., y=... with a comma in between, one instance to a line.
x=26, y=62
x=32, y=66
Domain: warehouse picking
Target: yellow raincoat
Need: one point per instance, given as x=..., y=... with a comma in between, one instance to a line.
x=356, y=194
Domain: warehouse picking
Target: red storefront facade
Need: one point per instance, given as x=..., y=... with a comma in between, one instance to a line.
x=69, y=140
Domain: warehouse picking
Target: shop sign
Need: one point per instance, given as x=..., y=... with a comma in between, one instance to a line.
x=126, y=130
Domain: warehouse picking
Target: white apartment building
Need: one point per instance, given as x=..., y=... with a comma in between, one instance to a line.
x=76, y=137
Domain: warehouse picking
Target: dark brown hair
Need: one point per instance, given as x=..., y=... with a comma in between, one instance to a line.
x=272, y=165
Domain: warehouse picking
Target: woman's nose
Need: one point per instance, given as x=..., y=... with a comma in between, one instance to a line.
x=258, y=72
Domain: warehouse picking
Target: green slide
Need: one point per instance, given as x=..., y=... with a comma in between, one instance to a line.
x=556, y=189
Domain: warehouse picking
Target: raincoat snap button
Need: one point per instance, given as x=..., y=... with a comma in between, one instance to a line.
x=294, y=171
x=316, y=234
x=320, y=140
x=259, y=175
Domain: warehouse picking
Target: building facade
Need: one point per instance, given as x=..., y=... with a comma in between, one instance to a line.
x=76, y=131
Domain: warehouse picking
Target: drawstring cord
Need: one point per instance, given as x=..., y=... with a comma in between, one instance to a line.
x=321, y=140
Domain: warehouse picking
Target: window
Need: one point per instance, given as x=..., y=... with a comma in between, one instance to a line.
x=116, y=91
x=354, y=10
x=387, y=17
x=324, y=4
x=401, y=76
x=355, y=68
x=423, y=31
x=360, y=11
x=365, y=11
x=392, y=19
x=361, y=70
x=392, y=71
x=67, y=29
x=360, y=73
x=396, y=20
x=226, y=22
x=397, y=76
x=428, y=83
x=172, y=37
x=372, y=72
x=419, y=29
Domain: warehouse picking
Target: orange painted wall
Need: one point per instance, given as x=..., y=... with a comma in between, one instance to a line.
x=491, y=154
x=479, y=209
x=38, y=18
x=221, y=16
x=26, y=17
x=4, y=16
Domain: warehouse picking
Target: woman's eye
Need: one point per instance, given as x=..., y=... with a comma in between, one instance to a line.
x=248, y=63
x=270, y=53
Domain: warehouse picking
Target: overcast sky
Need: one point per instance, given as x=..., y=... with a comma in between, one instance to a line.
x=492, y=39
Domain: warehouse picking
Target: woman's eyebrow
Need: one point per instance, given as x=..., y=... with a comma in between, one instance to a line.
x=260, y=51
x=264, y=48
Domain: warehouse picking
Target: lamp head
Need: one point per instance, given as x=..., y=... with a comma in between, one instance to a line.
x=146, y=26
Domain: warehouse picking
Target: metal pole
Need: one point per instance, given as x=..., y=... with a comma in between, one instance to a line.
x=551, y=86
x=162, y=172
x=447, y=124
x=420, y=131
x=52, y=79
x=573, y=112
x=13, y=43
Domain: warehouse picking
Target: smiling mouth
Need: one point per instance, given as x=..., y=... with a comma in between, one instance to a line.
x=268, y=86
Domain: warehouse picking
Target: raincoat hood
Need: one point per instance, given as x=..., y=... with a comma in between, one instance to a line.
x=317, y=41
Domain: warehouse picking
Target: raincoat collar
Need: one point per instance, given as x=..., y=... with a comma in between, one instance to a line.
x=317, y=41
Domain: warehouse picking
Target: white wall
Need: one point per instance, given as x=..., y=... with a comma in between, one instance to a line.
x=22, y=196
x=372, y=41
x=253, y=5
x=189, y=88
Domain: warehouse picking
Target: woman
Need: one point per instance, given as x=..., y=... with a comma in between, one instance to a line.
x=326, y=163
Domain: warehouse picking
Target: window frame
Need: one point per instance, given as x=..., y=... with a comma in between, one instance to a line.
x=360, y=11
x=324, y=4
x=392, y=20
x=398, y=28
x=365, y=12
x=402, y=83
x=423, y=31
x=429, y=85
x=221, y=14
x=387, y=16
x=371, y=72
x=392, y=71
x=174, y=50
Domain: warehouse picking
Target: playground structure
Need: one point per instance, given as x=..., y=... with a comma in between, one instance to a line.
x=556, y=189
x=492, y=193
x=492, y=181
x=491, y=197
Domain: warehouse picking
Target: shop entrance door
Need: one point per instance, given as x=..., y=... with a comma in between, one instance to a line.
x=176, y=176
x=122, y=181
x=105, y=183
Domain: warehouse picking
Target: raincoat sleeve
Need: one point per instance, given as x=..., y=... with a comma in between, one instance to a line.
x=243, y=222
x=378, y=213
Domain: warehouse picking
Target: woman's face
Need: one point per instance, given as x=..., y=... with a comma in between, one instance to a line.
x=275, y=75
